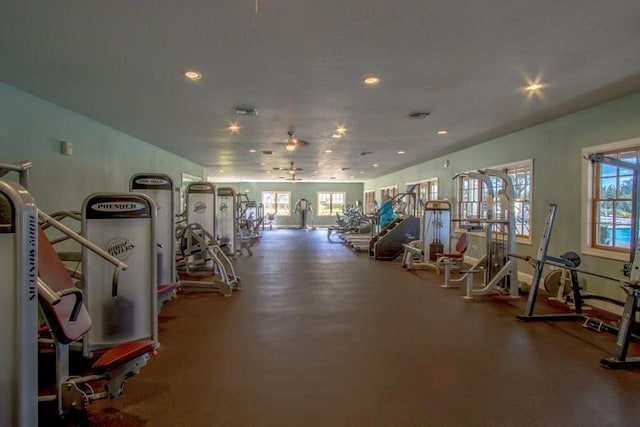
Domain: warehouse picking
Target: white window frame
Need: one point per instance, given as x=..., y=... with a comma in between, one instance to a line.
x=525, y=240
x=587, y=199
x=332, y=212
x=369, y=206
x=425, y=183
x=391, y=188
x=276, y=192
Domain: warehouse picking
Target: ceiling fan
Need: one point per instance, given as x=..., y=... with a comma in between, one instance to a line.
x=293, y=178
x=291, y=169
x=293, y=143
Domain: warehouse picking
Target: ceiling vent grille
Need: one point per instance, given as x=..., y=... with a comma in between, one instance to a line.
x=246, y=111
x=418, y=115
x=365, y=153
x=267, y=152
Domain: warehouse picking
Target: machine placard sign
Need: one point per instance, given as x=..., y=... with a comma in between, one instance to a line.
x=160, y=188
x=201, y=205
x=226, y=220
x=123, y=225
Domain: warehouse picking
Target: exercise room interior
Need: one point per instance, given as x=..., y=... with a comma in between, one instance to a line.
x=303, y=213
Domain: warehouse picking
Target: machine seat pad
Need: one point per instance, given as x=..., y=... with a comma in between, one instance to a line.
x=122, y=354
x=454, y=255
x=168, y=288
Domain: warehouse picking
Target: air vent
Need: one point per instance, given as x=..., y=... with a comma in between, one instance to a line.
x=418, y=116
x=366, y=153
x=345, y=169
x=276, y=169
x=267, y=152
x=246, y=111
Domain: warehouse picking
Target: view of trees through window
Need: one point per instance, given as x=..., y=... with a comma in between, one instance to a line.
x=277, y=202
x=612, y=203
x=330, y=203
x=473, y=197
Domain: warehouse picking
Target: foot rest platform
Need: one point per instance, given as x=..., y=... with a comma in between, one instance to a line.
x=168, y=288
x=122, y=354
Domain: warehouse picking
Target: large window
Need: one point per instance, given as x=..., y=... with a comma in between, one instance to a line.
x=277, y=202
x=425, y=191
x=388, y=192
x=369, y=201
x=473, y=196
x=330, y=202
x=611, y=202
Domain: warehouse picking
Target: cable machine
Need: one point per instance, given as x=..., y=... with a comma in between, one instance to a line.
x=500, y=272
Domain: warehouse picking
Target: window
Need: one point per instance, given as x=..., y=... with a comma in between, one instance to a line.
x=473, y=194
x=425, y=191
x=388, y=191
x=330, y=202
x=277, y=202
x=369, y=201
x=611, y=202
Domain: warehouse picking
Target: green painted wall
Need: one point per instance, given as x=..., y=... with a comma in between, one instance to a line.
x=103, y=158
x=299, y=190
x=556, y=148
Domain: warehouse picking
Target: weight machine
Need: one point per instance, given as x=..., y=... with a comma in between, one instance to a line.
x=196, y=242
x=161, y=189
x=227, y=221
x=631, y=286
x=436, y=237
x=500, y=273
x=18, y=302
x=305, y=213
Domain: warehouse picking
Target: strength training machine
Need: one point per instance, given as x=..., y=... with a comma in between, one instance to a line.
x=500, y=273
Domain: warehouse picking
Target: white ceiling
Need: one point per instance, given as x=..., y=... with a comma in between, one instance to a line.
x=301, y=64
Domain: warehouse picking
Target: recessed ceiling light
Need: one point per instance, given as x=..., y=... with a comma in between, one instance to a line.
x=234, y=128
x=336, y=136
x=442, y=132
x=533, y=87
x=341, y=130
x=371, y=80
x=221, y=171
x=400, y=152
x=261, y=164
x=268, y=171
x=252, y=151
x=375, y=165
x=193, y=75
x=328, y=151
